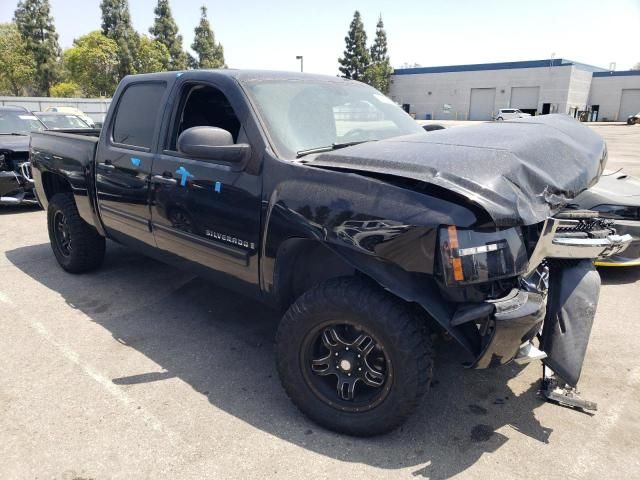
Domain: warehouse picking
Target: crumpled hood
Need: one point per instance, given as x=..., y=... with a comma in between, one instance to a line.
x=519, y=171
x=14, y=143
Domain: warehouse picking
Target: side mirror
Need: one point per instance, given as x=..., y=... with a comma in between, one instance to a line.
x=212, y=143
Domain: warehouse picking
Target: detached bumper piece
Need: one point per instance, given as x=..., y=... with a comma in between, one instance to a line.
x=571, y=308
x=577, y=235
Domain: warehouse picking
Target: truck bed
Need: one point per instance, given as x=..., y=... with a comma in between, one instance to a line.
x=67, y=154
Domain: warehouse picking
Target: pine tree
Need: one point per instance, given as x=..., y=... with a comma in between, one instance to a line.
x=356, y=55
x=210, y=53
x=379, y=72
x=35, y=24
x=165, y=31
x=116, y=25
x=379, y=48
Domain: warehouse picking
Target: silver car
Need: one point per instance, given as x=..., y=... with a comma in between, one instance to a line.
x=617, y=196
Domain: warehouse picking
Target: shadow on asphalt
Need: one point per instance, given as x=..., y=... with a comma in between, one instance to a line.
x=619, y=275
x=11, y=209
x=221, y=344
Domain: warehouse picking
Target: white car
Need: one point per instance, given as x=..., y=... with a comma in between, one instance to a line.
x=73, y=111
x=509, y=113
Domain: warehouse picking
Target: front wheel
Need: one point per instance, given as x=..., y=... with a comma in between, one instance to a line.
x=353, y=358
x=77, y=246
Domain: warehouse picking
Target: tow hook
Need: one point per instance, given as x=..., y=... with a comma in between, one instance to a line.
x=562, y=394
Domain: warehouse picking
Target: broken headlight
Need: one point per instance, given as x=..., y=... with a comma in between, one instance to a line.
x=471, y=256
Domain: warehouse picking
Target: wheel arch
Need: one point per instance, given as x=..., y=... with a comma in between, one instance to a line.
x=53, y=183
x=302, y=263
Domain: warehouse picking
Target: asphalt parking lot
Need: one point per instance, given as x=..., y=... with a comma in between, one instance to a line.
x=140, y=370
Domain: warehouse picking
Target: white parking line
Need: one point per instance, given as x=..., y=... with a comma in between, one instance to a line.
x=106, y=383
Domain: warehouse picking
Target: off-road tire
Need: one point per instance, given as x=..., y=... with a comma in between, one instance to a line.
x=87, y=246
x=396, y=327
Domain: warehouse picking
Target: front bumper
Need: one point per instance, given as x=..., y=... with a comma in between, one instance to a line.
x=509, y=322
x=631, y=255
x=17, y=187
x=553, y=245
x=517, y=319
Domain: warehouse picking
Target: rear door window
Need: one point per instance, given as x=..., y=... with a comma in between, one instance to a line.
x=137, y=114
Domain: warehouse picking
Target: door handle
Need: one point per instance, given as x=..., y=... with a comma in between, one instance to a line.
x=163, y=180
x=107, y=164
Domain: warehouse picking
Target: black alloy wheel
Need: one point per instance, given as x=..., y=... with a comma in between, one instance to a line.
x=62, y=233
x=346, y=368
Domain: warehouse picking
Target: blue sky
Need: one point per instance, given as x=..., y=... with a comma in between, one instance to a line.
x=270, y=33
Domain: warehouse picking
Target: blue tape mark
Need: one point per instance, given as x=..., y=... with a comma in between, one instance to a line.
x=184, y=173
x=135, y=161
x=218, y=187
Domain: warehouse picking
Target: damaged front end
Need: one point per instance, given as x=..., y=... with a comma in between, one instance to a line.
x=554, y=298
x=523, y=268
x=16, y=181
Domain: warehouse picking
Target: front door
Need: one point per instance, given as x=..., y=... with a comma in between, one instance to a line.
x=124, y=159
x=206, y=213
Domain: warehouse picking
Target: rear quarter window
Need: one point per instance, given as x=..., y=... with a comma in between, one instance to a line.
x=137, y=114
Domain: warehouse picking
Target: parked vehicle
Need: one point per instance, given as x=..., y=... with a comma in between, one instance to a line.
x=369, y=239
x=430, y=127
x=509, y=114
x=617, y=197
x=61, y=120
x=633, y=119
x=73, y=111
x=16, y=183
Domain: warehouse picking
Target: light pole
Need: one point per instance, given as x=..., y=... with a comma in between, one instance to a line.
x=301, y=58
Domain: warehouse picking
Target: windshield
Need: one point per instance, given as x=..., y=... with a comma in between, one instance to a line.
x=309, y=115
x=18, y=122
x=62, y=121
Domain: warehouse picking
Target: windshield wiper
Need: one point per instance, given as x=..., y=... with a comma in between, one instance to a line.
x=15, y=134
x=329, y=148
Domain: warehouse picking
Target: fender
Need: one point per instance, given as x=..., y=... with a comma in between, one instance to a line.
x=385, y=232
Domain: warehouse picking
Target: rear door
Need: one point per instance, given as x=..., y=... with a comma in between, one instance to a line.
x=124, y=159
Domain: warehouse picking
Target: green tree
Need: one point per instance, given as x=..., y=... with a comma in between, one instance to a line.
x=35, y=24
x=356, y=57
x=210, y=53
x=379, y=72
x=165, y=31
x=93, y=63
x=116, y=25
x=192, y=62
x=153, y=56
x=17, y=65
x=66, y=90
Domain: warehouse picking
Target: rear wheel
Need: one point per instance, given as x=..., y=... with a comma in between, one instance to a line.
x=76, y=245
x=353, y=358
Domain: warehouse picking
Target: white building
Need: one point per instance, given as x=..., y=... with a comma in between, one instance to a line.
x=476, y=92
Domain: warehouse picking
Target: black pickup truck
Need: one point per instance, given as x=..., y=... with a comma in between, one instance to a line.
x=321, y=197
